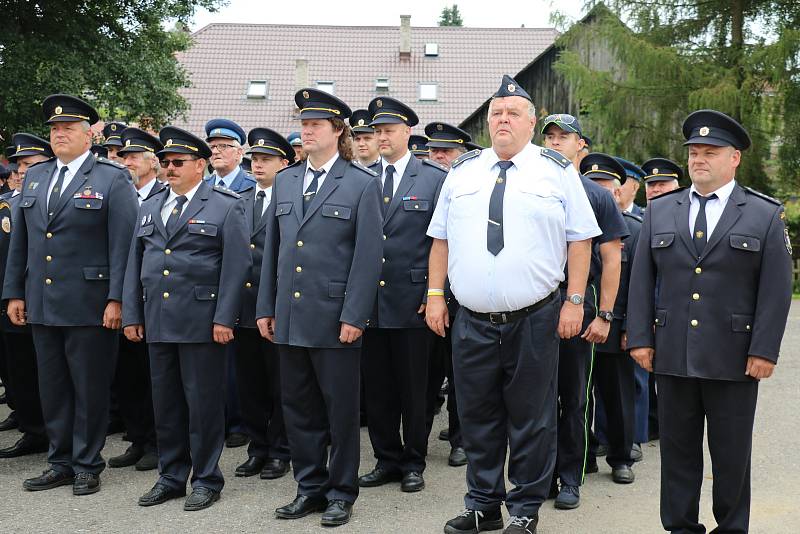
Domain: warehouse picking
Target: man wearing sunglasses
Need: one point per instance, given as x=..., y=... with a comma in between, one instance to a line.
x=189, y=258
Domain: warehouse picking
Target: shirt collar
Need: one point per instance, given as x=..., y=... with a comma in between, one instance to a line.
x=629, y=209
x=230, y=177
x=399, y=165
x=144, y=191
x=189, y=195
x=520, y=158
x=15, y=193
x=327, y=166
x=723, y=193
x=267, y=190
x=74, y=165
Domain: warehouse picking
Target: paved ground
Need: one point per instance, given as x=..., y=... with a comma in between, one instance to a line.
x=247, y=504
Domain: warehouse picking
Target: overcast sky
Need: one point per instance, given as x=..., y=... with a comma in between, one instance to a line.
x=480, y=13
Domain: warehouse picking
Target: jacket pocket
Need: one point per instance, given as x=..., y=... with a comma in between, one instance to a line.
x=95, y=273
x=145, y=230
x=87, y=203
x=745, y=242
x=205, y=292
x=337, y=212
x=202, y=229
x=741, y=323
x=661, y=318
x=416, y=205
x=662, y=240
x=337, y=290
x=284, y=208
x=419, y=276
x=27, y=202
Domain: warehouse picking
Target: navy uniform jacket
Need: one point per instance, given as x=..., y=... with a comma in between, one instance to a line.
x=82, y=251
x=257, y=235
x=619, y=324
x=609, y=219
x=178, y=287
x=406, y=247
x=713, y=312
x=321, y=269
x=241, y=182
x=8, y=206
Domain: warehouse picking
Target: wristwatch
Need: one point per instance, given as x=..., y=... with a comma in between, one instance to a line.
x=576, y=299
x=606, y=315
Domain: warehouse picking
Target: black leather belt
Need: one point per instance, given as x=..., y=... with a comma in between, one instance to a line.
x=510, y=317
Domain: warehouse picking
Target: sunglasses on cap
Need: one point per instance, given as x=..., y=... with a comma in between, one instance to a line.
x=560, y=117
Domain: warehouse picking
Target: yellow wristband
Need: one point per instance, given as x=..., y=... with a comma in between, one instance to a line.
x=435, y=292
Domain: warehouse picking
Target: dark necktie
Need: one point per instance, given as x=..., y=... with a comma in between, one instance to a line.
x=388, y=188
x=259, y=208
x=55, y=194
x=175, y=214
x=311, y=192
x=494, y=231
x=700, y=234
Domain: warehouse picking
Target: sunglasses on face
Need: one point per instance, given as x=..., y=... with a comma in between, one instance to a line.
x=177, y=163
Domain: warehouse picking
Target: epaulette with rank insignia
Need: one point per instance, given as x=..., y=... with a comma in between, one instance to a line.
x=668, y=193
x=464, y=157
x=762, y=195
x=358, y=165
x=112, y=163
x=227, y=191
x=32, y=165
x=556, y=156
x=292, y=165
x=632, y=216
x=434, y=164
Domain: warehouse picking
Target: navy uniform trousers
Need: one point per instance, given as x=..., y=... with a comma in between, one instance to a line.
x=507, y=398
x=23, y=376
x=134, y=395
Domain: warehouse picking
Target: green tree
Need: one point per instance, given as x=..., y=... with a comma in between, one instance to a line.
x=451, y=16
x=114, y=53
x=741, y=57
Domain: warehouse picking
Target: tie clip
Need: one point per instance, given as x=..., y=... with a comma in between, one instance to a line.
x=494, y=223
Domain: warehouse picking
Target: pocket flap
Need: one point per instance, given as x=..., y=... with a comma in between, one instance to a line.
x=283, y=208
x=337, y=289
x=337, y=212
x=88, y=203
x=416, y=205
x=662, y=240
x=95, y=273
x=741, y=322
x=419, y=275
x=27, y=202
x=205, y=292
x=202, y=229
x=661, y=318
x=145, y=230
x=745, y=242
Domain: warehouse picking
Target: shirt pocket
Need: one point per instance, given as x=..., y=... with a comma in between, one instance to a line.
x=207, y=229
x=336, y=212
x=745, y=243
x=662, y=240
x=284, y=208
x=88, y=203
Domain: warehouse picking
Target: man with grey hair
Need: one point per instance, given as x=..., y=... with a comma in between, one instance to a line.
x=507, y=285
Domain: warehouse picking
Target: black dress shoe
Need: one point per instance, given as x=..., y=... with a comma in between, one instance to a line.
x=602, y=450
x=474, y=521
x=236, y=439
x=444, y=434
x=378, y=477
x=274, y=468
x=412, y=482
x=3, y=399
x=48, y=480
x=301, y=506
x=622, y=475
x=337, y=513
x=27, y=444
x=128, y=458
x=159, y=494
x=86, y=484
x=200, y=499
x=148, y=462
x=457, y=457
x=251, y=467
x=10, y=422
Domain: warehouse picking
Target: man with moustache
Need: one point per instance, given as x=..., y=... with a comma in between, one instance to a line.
x=189, y=258
x=365, y=144
x=257, y=363
x=70, y=238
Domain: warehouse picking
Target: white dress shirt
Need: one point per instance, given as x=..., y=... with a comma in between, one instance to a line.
x=267, y=197
x=166, y=209
x=227, y=180
x=399, y=170
x=310, y=175
x=144, y=191
x=544, y=208
x=714, y=207
x=72, y=169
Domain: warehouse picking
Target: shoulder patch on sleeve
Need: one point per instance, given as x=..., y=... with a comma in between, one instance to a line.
x=632, y=216
x=762, y=195
x=112, y=163
x=359, y=166
x=464, y=157
x=226, y=191
x=556, y=156
x=434, y=164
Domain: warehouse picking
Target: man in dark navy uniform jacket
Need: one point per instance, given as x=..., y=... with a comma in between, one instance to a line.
x=710, y=294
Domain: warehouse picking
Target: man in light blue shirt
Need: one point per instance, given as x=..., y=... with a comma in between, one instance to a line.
x=506, y=222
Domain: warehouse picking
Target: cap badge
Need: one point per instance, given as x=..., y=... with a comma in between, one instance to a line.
x=704, y=131
x=361, y=122
x=113, y=127
x=128, y=142
x=305, y=94
x=439, y=127
x=595, y=167
x=655, y=171
x=58, y=110
x=260, y=142
x=169, y=142
x=511, y=88
x=413, y=147
x=379, y=103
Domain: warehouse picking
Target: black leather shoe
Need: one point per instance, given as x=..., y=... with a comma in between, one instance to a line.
x=86, y=484
x=622, y=475
x=378, y=477
x=274, y=468
x=591, y=466
x=3, y=398
x=337, y=513
x=602, y=450
x=148, y=462
x=553, y=493
x=48, y=480
x=27, y=444
x=301, y=506
x=251, y=467
x=159, y=494
x=412, y=482
x=128, y=458
x=200, y=499
x=474, y=521
x=457, y=457
x=522, y=525
x=444, y=434
x=236, y=439
x=10, y=422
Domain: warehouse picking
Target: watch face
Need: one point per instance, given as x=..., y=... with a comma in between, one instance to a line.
x=576, y=299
